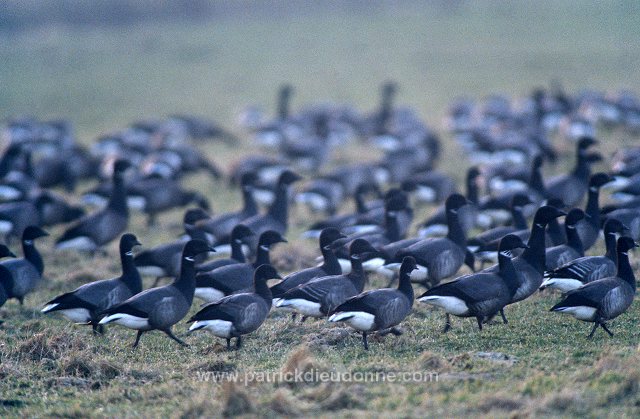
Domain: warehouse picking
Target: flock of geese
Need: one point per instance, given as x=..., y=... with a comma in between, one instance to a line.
x=508, y=142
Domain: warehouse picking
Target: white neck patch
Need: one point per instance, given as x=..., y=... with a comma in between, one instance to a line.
x=189, y=258
x=28, y=242
x=593, y=189
x=540, y=225
x=506, y=253
x=129, y=253
x=264, y=247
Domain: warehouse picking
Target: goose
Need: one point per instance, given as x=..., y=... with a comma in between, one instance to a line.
x=238, y=237
x=587, y=268
x=16, y=216
x=99, y=228
x=238, y=314
x=20, y=276
x=329, y=266
x=230, y=279
x=4, y=294
x=219, y=228
x=164, y=260
x=277, y=218
x=318, y=297
x=162, y=307
x=431, y=186
x=561, y=254
x=380, y=309
x=439, y=258
x=630, y=217
x=530, y=264
x=481, y=295
x=605, y=299
x=54, y=209
x=85, y=304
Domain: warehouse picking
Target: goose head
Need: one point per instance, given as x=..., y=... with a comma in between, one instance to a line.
x=288, y=177
x=599, y=179
x=455, y=202
x=127, y=242
x=265, y=272
x=195, y=247
x=330, y=235
x=511, y=242
x=575, y=215
x=625, y=244
x=270, y=237
x=547, y=213
x=33, y=232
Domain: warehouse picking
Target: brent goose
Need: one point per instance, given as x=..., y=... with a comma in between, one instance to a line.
x=481, y=295
x=380, y=309
x=530, y=264
x=54, y=209
x=587, y=268
x=4, y=294
x=238, y=314
x=439, y=258
x=20, y=276
x=329, y=266
x=572, y=249
x=238, y=236
x=16, y=216
x=237, y=277
x=318, y=297
x=589, y=228
x=605, y=299
x=162, y=307
x=99, y=228
x=85, y=304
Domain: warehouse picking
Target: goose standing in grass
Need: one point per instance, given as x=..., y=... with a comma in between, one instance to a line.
x=162, y=307
x=318, y=297
x=238, y=314
x=85, y=304
x=481, y=295
x=4, y=293
x=530, y=264
x=99, y=228
x=439, y=258
x=587, y=268
x=231, y=279
x=589, y=228
x=329, y=266
x=238, y=237
x=565, y=253
x=605, y=299
x=20, y=276
x=381, y=309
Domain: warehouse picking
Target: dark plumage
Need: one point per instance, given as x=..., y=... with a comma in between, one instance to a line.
x=379, y=309
x=238, y=314
x=85, y=304
x=605, y=299
x=162, y=307
x=564, y=253
x=238, y=238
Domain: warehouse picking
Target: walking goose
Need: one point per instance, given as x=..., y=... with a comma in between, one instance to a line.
x=587, y=268
x=481, y=295
x=238, y=236
x=230, y=279
x=95, y=230
x=605, y=299
x=238, y=314
x=380, y=309
x=530, y=264
x=439, y=258
x=162, y=307
x=329, y=266
x=318, y=297
x=565, y=253
x=85, y=304
x=20, y=276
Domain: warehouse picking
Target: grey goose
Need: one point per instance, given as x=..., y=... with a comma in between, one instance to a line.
x=564, y=253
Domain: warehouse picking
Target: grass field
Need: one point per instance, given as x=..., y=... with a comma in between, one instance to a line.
x=104, y=77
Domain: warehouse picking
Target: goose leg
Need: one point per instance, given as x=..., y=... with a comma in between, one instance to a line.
x=228, y=344
x=101, y=329
x=595, y=326
x=21, y=300
x=293, y=316
x=156, y=282
x=504, y=318
x=151, y=219
x=303, y=318
x=238, y=342
x=364, y=341
x=479, y=320
x=172, y=336
x=135, y=344
x=395, y=331
x=606, y=329
x=447, y=323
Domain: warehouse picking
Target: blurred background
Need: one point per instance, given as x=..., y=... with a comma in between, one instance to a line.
x=104, y=64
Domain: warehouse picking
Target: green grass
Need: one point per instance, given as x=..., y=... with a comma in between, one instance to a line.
x=103, y=78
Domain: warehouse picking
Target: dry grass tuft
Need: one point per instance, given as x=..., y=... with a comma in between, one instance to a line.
x=429, y=361
x=498, y=402
x=300, y=360
x=342, y=398
x=40, y=346
x=462, y=361
x=283, y=403
x=235, y=400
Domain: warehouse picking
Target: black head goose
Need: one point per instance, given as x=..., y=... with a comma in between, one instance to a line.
x=20, y=276
x=481, y=295
x=572, y=187
x=438, y=258
x=318, y=297
x=99, y=228
x=572, y=249
x=162, y=307
x=238, y=314
x=219, y=228
x=329, y=266
x=237, y=277
x=605, y=299
x=164, y=260
x=238, y=238
x=277, y=218
x=85, y=304
x=380, y=309
x=530, y=264
x=587, y=268
x=630, y=217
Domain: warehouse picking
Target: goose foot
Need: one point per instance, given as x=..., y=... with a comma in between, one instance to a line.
x=606, y=329
x=172, y=336
x=135, y=344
